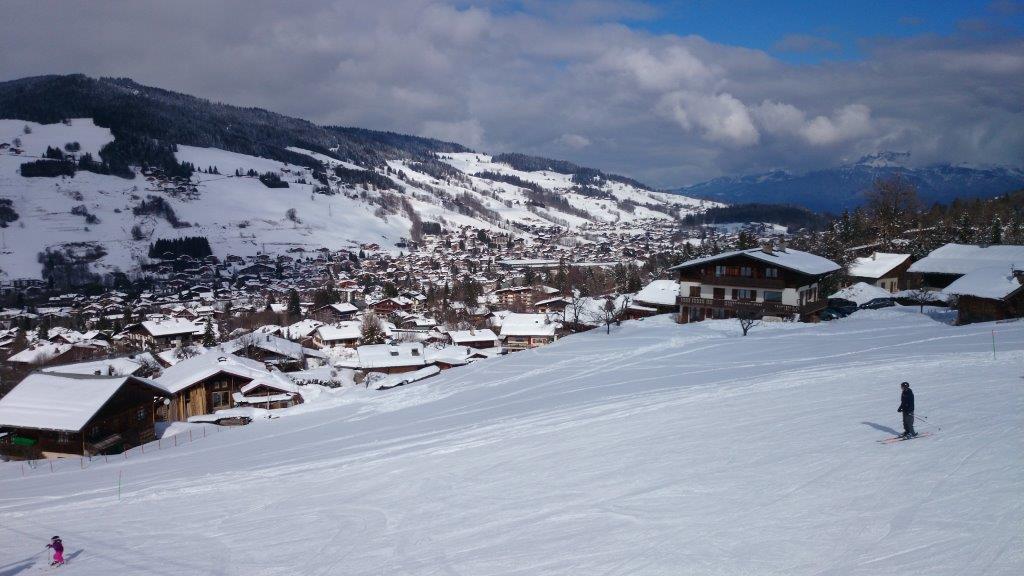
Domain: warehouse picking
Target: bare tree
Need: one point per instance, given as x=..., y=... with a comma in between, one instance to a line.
x=611, y=312
x=920, y=296
x=748, y=320
x=572, y=314
x=893, y=206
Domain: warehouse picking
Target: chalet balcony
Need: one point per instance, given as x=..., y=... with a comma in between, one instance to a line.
x=743, y=282
x=765, y=308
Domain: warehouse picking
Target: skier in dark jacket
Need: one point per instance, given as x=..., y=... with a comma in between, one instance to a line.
x=907, y=408
x=58, y=551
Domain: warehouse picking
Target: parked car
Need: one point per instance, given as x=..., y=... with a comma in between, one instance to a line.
x=876, y=303
x=832, y=314
x=845, y=307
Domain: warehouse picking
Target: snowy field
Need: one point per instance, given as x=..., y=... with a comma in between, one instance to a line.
x=660, y=449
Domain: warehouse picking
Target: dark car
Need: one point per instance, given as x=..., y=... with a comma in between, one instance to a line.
x=843, y=306
x=832, y=314
x=876, y=303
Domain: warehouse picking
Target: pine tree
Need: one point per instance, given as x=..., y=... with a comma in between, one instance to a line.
x=372, y=330
x=965, y=230
x=208, y=339
x=294, y=308
x=996, y=234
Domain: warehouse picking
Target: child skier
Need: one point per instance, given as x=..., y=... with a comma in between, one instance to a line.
x=58, y=551
x=907, y=408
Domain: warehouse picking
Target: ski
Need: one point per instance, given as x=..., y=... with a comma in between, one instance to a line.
x=903, y=438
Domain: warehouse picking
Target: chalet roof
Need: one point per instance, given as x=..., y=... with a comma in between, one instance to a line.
x=270, y=343
x=660, y=292
x=877, y=265
x=172, y=326
x=464, y=336
x=391, y=355
x=192, y=370
x=964, y=258
x=861, y=292
x=790, y=259
x=40, y=353
x=341, y=331
x=123, y=366
x=993, y=282
x=527, y=325
x=49, y=401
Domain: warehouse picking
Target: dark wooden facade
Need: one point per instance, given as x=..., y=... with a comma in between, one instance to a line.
x=125, y=421
x=740, y=285
x=972, y=309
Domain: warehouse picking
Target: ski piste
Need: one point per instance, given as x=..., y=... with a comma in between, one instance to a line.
x=904, y=438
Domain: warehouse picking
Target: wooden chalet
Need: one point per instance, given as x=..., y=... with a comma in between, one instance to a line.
x=887, y=271
x=524, y=331
x=758, y=282
x=206, y=383
x=472, y=338
x=988, y=294
x=51, y=415
x=273, y=350
x=946, y=264
x=164, y=333
x=331, y=313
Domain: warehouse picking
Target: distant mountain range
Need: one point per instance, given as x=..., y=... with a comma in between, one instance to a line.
x=843, y=187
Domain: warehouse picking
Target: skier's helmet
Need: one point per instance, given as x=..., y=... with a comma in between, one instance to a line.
x=905, y=384
x=55, y=538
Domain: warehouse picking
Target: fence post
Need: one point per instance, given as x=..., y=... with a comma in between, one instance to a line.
x=189, y=434
x=51, y=465
x=22, y=469
x=175, y=439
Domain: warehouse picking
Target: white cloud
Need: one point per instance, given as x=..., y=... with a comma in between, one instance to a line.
x=660, y=107
x=574, y=141
x=719, y=117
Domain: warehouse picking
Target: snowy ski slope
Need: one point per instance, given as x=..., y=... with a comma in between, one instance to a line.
x=660, y=449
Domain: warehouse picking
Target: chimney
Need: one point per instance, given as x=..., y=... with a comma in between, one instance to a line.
x=766, y=247
x=782, y=244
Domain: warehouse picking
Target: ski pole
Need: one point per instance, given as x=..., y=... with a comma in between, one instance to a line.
x=925, y=420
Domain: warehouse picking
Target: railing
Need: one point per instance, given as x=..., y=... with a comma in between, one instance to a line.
x=766, y=308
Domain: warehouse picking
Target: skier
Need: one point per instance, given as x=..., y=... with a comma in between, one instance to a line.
x=907, y=408
x=58, y=551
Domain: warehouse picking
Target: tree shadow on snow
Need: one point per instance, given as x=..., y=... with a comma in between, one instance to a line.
x=882, y=428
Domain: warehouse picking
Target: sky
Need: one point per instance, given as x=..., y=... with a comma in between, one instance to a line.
x=670, y=92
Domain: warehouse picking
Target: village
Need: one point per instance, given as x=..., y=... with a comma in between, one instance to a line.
x=226, y=341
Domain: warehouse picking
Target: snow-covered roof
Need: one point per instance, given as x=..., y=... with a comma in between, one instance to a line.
x=527, y=325
x=340, y=331
x=124, y=366
x=964, y=258
x=463, y=336
x=660, y=292
x=993, y=282
x=789, y=259
x=344, y=308
x=40, y=353
x=172, y=326
x=276, y=380
x=861, y=292
x=270, y=343
x=394, y=380
x=58, y=401
x=877, y=265
x=302, y=328
x=391, y=355
x=187, y=372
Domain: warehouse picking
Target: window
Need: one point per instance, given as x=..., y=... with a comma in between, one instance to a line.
x=62, y=438
x=140, y=415
x=770, y=296
x=719, y=294
x=415, y=352
x=694, y=291
x=746, y=271
x=719, y=270
x=743, y=294
x=771, y=272
x=220, y=399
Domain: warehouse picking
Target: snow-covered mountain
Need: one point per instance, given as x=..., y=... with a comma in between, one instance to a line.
x=660, y=449
x=345, y=186
x=836, y=189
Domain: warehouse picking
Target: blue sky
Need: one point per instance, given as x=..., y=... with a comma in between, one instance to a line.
x=829, y=30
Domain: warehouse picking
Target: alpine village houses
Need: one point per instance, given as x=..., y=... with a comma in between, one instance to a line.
x=757, y=282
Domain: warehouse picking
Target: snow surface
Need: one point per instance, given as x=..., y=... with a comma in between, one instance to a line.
x=660, y=449
x=876, y=265
x=791, y=259
x=861, y=292
x=994, y=283
x=662, y=292
x=964, y=258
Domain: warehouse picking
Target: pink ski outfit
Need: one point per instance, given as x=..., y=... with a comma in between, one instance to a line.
x=58, y=550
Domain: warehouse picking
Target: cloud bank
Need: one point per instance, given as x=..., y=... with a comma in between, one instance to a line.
x=546, y=78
